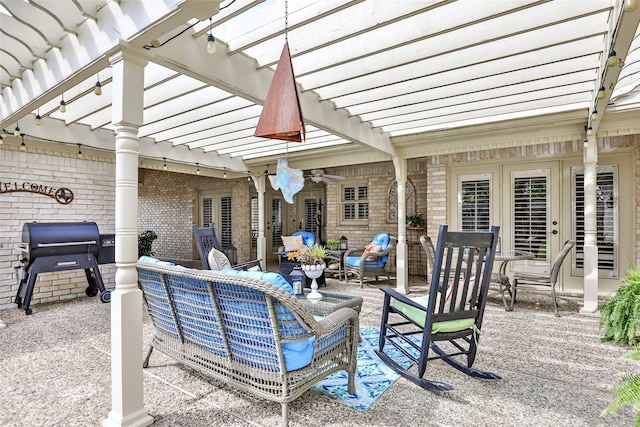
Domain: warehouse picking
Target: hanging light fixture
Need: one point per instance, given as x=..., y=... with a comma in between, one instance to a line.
x=211, y=42
x=98, y=88
x=23, y=146
x=612, y=60
x=80, y=155
x=164, y=165
x=63, y=105
x=281, y=117
x=17, y=131
x=38, y=118
x=601, y=92
x=197, y=168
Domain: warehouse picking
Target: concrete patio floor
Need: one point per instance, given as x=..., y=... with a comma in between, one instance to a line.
x=55, y=371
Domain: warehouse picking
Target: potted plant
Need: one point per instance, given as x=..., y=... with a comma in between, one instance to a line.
x=311, y=260
x=416, y=221
x=145, y=243
x=620, y=323
x=332, y=244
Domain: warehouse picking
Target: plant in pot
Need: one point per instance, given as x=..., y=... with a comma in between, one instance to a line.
x=311, y=260
x=145, y=243
x=620, y=324
x=332, y=244
x=416, y=221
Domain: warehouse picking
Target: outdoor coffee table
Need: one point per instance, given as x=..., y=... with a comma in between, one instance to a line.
x=330, y=302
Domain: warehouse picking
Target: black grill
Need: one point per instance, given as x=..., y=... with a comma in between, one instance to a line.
x=61, y=246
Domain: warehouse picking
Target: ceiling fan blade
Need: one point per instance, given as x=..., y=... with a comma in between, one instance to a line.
x=334, y=176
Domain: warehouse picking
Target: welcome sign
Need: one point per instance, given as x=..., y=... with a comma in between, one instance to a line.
x=61, y=195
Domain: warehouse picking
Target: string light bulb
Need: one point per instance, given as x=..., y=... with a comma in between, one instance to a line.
x=224, y=175
x=63, y=105
x=38, y=118
x=589, y=131
x=612, y=60
x=211, y=42
x=594, y=115
x=80, y=155
x=23, y=146
x=197, y=168
x=630, y=5
x=98, y=88
x=164, y=165
x=17, y=131
x=601, y=92
x=585, y=143
x=1, y=140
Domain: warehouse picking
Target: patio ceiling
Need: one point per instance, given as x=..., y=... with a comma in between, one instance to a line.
x=377, y=78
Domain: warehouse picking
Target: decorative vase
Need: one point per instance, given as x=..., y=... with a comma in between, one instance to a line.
x=313, y=271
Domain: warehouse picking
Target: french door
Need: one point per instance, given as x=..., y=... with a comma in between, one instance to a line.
x=532, y=214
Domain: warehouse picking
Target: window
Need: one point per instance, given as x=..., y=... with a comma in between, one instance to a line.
x=354, y=203
x=606, y=220
x=254, y=224
x=531, y=212
x=276, y=222
x=311, y=215
x=474, y=202
x=225, y=221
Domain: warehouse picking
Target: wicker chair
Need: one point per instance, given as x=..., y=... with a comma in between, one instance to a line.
x=427, y=245
x=362, y=263
x=535, y=280
x=246, y=329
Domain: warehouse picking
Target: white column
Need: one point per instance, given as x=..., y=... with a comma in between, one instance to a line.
x=261, y=244
x=590, y=304
x=402, y=258
x=126, y=300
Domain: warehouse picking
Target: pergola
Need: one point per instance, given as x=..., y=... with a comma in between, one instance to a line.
x=379, y=80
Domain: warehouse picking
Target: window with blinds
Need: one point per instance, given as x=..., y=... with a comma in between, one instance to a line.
x=474, y=202
x=207, y=211
x=530, y=213
x=606, y=220
x=276, y=223
x=354, y=203
x=254, y=224
x=310, y=215
x=225, y=221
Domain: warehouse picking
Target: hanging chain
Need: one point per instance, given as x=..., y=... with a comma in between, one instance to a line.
x=286, y=20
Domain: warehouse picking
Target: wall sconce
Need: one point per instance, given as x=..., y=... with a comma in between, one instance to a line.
x=23, y=146
x=38, y=118
x=80, y=155
x=612, y=60
x=164, y=165
x=98, y=88
x=63, y=105
x=211, y=42
x=17, y=131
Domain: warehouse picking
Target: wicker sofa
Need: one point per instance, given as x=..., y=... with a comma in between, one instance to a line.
x=246, y=329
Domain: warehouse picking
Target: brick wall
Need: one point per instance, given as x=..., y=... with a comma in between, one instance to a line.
x=92, y=181
x=168, y=205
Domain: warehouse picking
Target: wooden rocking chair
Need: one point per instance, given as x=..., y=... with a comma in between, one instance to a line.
x=451, y=313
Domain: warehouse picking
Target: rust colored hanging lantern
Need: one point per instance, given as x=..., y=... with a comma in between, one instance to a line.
x=281, y=116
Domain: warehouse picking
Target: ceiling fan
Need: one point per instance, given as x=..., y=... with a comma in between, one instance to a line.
x=318, y=175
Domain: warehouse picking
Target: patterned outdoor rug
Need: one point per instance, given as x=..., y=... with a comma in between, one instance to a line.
x=373, y=376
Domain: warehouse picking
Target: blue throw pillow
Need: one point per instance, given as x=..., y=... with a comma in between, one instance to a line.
x=267, y=276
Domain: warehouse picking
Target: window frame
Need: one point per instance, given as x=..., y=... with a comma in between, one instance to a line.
x=357, y=203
